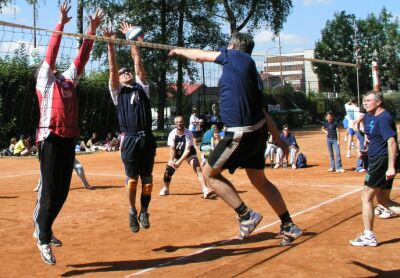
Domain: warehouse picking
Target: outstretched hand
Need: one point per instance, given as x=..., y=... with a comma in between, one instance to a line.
x=108, y=32
x=64, y=9
x=124, y=27
x=96, y=19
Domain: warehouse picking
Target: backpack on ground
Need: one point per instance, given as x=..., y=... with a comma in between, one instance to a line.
x=301, y=161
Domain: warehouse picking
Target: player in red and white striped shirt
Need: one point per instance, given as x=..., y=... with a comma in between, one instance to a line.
x=58, y=128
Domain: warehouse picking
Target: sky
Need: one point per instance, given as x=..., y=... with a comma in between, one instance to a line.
x=301, y=30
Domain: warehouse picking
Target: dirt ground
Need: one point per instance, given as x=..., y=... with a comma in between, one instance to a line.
x=190, y=236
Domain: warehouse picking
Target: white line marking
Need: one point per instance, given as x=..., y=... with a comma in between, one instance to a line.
x=227, y=240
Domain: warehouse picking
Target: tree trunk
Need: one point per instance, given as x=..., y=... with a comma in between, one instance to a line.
x=163, y=69
x=179, y=83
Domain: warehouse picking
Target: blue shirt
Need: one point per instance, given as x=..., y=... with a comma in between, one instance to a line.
x=331, y=128
x=382, y=129
x=241, y=97
x=368, y=123
x=290, y=140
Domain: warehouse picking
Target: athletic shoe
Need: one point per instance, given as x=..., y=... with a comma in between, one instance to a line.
x=47, y=253
x=277, y=165
x=248, y=226
x=379, y=209
x=383, y=212
x=144, y=220
x=348, y=155
x=53, y=242
x=164, y=191
x=294, y=166
x=331, y=170
x=291, y=231
x=133, y=223
x=361, y=170
x=340, y=170
x=88, y=186
x=362, y=240
x=36, y=189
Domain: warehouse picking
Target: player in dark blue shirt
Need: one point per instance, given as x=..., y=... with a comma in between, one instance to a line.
x=241, y=107
x=382, y=153
x=138, y=146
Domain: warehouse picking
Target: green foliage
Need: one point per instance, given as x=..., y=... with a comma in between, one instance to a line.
x=345, y=34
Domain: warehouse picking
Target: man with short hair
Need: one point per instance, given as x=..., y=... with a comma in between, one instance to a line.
x=241, y=109
x=131, y=98
x=181, y=147
x=382, y=153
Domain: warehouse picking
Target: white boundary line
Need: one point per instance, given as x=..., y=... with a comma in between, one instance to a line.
x=341, y=196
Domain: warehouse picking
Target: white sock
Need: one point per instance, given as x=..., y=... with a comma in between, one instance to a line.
x=369, y=234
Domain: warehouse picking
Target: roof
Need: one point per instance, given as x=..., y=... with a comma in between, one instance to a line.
x=188, y=88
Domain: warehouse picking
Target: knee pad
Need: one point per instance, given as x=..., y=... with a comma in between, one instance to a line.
x=169, y=171
x=132, y=184
x=147, y=188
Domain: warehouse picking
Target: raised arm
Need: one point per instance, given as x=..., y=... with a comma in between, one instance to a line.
x=195, y=54
x=135, y=53
x=84, y=52
x=55, y=40
x=112, y=64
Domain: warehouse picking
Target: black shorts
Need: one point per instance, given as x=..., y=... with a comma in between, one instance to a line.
x=376, y=176
x=240, y=149
x=137, y=153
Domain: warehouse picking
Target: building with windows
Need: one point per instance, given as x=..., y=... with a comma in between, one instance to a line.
x=293, y=69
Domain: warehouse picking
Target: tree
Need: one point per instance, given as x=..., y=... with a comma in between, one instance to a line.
x=381, y=35
x=255, y=13
x=342, y=36
x=337, y=44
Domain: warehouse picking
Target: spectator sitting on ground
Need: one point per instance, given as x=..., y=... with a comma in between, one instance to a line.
x=23, y=147
x=271, y=150
x=112, y=143
x=10, y=150
x=290, y=140
x=93, y=143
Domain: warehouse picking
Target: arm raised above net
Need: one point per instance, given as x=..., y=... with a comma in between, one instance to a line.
x=195, y=54
x=112, y=64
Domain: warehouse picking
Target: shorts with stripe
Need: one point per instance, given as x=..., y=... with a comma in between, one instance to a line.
x=376, y=176
x=137, y=154
x=240, y=148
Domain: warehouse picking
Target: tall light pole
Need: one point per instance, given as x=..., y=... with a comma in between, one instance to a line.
x=280, y=57
x=356, y=53
x=266, y=66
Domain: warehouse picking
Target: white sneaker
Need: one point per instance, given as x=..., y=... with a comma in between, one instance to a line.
x=348, y=155
x=164, y=191
x=362, y=240
x=47, y=253
x=341, y=170
x=277, y=165
x=36, y=188
x=294, y=166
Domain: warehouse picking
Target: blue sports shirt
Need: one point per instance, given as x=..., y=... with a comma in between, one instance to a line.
x=241, y=98
x=382, y=128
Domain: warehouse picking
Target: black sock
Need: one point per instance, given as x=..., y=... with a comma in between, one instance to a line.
x=286, y=219
x=243, y=212
x=145, y=202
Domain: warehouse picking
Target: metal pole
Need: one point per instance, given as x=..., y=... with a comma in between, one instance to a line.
x=280, y=57
x=34, y=24
x=204, y=88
